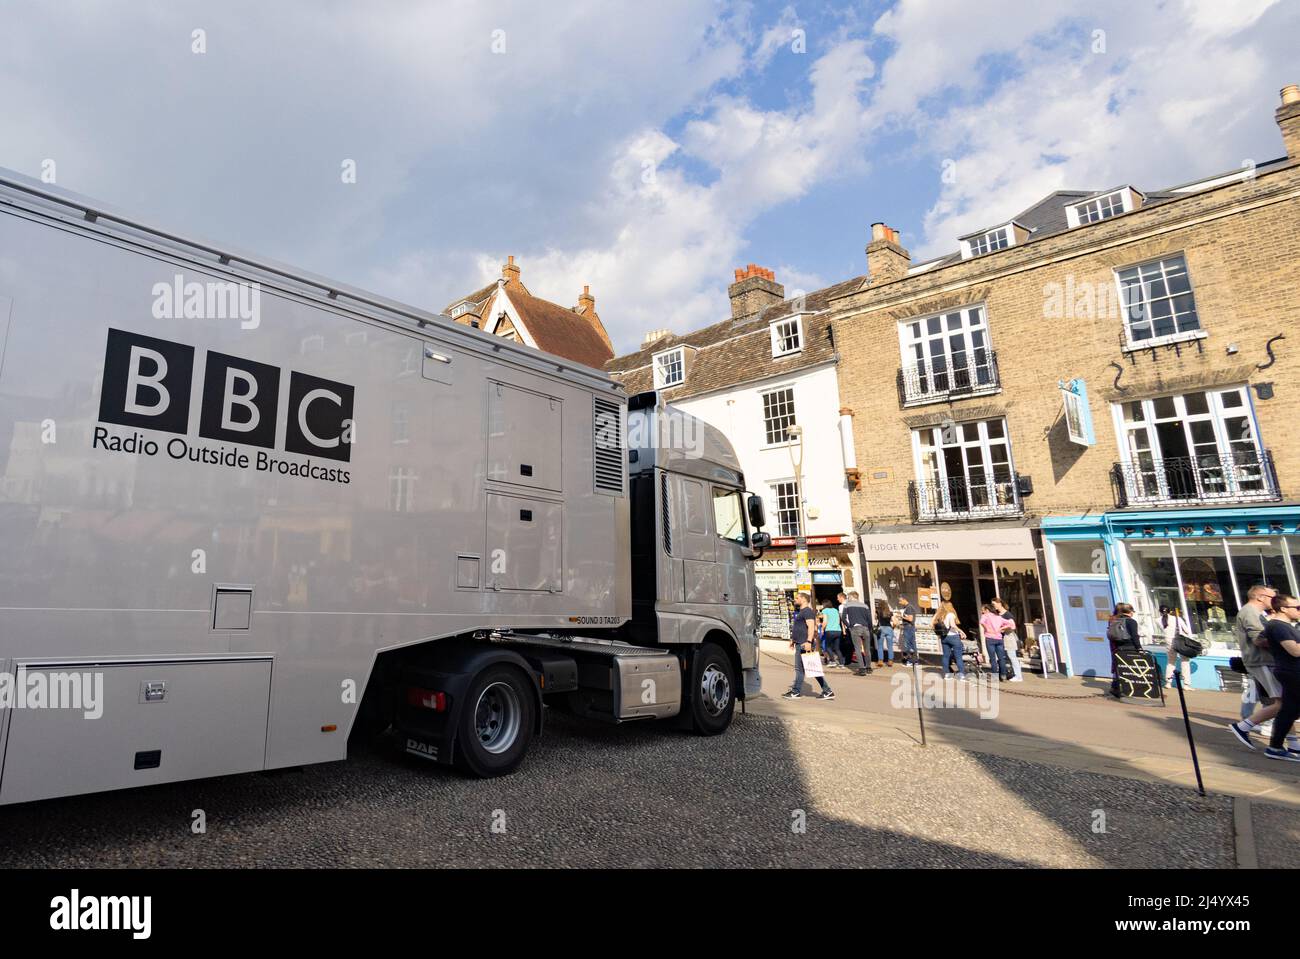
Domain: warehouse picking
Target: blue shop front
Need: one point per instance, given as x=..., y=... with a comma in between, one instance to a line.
x=1198, y=561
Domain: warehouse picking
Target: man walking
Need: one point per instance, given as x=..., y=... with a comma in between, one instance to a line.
x=856, y=618
x=1258, y=660
x=805, y=641
x=908, y=614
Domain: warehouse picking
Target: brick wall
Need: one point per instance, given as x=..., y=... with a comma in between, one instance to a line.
x=1242, y=247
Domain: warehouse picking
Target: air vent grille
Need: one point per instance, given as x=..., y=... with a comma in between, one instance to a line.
x=607, y=447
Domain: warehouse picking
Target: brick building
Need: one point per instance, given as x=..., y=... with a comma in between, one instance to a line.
x=506, y=308
x=768, y=367
x=1093, y=402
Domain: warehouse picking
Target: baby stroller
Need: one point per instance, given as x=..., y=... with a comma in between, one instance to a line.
x=972, y=659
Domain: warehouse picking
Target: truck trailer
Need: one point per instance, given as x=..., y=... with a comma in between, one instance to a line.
x=247, y=514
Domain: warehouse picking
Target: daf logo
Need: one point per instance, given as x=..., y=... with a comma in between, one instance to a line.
x=147, y=384
x=422, y=749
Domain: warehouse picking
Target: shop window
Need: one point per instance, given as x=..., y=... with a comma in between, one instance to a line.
x=1085, y=557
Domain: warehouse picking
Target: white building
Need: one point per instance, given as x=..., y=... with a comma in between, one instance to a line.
x=770, y=366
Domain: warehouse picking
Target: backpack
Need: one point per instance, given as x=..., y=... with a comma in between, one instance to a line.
x=1118, y=633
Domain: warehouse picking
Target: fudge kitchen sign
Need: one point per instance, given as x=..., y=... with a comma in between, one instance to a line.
x=148, y=383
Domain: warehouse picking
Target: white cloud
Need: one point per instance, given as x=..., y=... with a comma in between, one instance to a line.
x=1028, y=107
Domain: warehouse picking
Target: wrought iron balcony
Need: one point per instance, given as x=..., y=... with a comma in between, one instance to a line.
x=960, y=499
x=1217, y=478
x=973, y=373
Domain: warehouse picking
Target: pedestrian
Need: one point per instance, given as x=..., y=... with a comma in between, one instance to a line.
x=991, y=624
x=1174, y=624
x=1122, y=634
x=805, y=641
x=1284, y=644
x=856, y=618
x=907, y=615
x=1257, y=658
x=832, y=636
x=1010, y=641
x=885, y=616
x=951, y=637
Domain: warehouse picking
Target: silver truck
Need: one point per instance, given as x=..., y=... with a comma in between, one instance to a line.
x=252, y=513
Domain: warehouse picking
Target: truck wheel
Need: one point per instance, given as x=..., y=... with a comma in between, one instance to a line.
x=712, y=691
x=496, y=722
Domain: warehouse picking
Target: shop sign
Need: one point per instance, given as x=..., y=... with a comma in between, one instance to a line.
x=1014, y=543
x=1176, y=530
x=1078, y=417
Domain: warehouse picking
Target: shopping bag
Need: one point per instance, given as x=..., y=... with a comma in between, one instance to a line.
x=812, y=665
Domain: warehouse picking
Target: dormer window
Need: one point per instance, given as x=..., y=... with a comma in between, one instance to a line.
x=1103, y=206
x=990, y=241
x=787, y=336
x=460, y=309
x=670, y=368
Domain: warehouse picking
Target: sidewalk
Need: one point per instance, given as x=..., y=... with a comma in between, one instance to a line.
x=1061, y=721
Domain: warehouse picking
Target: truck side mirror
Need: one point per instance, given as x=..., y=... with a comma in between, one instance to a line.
x=760, y=540
x=757, y=513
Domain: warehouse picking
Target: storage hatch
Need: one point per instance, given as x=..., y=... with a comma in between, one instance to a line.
x=524, y=437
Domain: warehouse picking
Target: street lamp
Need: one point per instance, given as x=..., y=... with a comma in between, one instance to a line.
x=802, y=576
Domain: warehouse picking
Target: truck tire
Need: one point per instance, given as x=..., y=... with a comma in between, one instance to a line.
x=712, y=691
x=496, y=723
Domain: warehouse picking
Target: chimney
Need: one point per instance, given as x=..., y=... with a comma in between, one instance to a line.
x=886, y=259
x=510, y=271
x=1288, y=118
x=586, y=302
x=652, y=337
x=755, y=289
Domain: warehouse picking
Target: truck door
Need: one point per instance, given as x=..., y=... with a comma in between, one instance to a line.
x=729, y=546
x=701, y=582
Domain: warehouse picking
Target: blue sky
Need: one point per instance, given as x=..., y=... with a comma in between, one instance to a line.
x=646, y=150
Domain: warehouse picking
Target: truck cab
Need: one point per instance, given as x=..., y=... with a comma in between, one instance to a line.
x=695, y=535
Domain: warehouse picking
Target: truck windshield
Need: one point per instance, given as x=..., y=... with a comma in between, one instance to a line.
x=728, y=514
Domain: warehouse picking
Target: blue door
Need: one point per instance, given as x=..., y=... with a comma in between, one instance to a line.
x=1087, y=606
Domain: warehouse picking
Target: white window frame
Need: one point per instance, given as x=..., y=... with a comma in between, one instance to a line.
x=1178, y=336
x=1080, y=214
x=1237, y=474
x=792, y=495
x=937, y=499
x=984, y=243
x=784, y=439
x=778, y=336
x=659, y=360
x=461, y=308
x=974, y=321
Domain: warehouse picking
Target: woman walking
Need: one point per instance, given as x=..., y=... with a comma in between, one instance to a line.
x=1174, y=625
x=951, y=636
x=884, y=635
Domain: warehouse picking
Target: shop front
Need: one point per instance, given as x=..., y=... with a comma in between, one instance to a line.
x=968, y=567
x=832, y=568
x=1199, y=562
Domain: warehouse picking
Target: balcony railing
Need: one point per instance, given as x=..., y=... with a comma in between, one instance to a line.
x=974, y=373
x=960, y=499
x=1229, y=478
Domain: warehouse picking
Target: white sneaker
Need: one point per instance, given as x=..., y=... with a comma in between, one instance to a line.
x=1264, y=729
